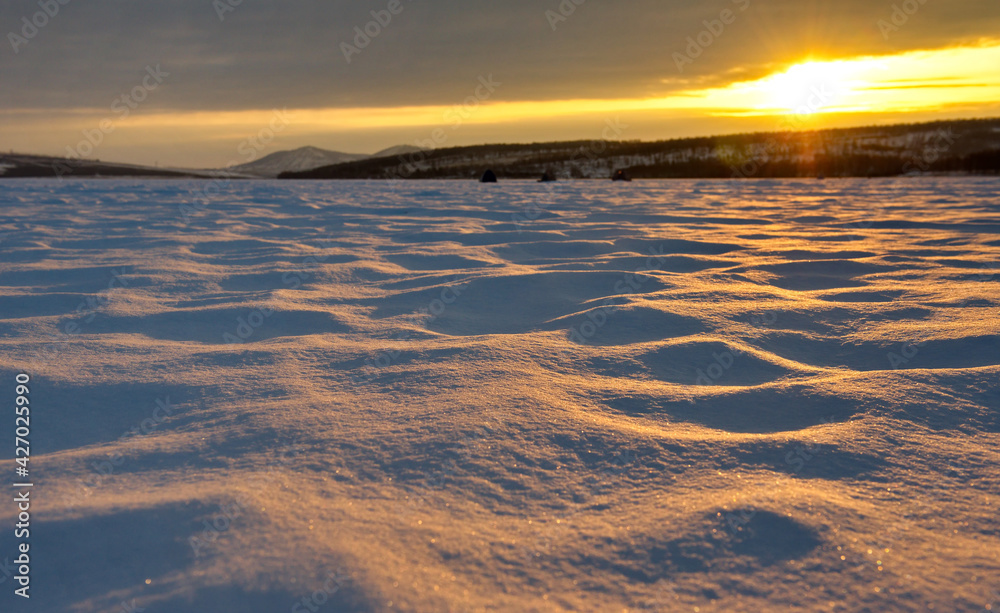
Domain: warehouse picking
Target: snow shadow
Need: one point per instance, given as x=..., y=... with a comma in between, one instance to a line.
x=759, y=410
x=102, y=563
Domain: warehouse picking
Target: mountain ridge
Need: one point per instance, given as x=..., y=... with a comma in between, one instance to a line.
x=969, y=146
x=959, y=146
x=309, y=158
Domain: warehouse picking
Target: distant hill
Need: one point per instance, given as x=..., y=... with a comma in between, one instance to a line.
x=309, y=158
x=397, y=150
x=15, y=165
x=304, y=158
x=967, y=146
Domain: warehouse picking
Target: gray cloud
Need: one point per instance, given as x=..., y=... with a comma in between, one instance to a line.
x=270, y=54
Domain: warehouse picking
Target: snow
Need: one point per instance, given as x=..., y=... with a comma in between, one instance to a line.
x=308, y=158
x=304, y=158
x=397, y=151
x=447, y=396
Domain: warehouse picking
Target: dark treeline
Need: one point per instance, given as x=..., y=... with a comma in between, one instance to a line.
x=966, y=146
x=986, y=162
x=22, y=166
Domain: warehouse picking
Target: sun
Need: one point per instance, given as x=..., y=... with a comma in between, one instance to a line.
x=810, y=87
x=804, y=89
x=813, y=90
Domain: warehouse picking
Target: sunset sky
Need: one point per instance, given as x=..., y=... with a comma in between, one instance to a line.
x=210, y=75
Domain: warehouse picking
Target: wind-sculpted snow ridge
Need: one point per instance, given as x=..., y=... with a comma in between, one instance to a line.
x=446, y=396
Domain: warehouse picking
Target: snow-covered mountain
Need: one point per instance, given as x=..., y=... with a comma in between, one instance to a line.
x=297, y=160
x=397, y=150
x=309, y=158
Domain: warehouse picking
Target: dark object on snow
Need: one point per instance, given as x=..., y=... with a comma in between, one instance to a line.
x=488, y=177
x=620, y=175
x=547, y=178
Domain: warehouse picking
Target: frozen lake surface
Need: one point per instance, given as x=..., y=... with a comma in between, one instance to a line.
x=446, y=396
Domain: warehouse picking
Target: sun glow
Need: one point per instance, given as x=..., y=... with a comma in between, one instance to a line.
x=906, y=82
x=812, y=93
x=810, y=87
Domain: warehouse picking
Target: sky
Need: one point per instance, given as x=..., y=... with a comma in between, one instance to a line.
x=210, y=83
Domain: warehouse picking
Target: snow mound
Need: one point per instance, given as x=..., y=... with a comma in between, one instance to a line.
x=430, y=396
